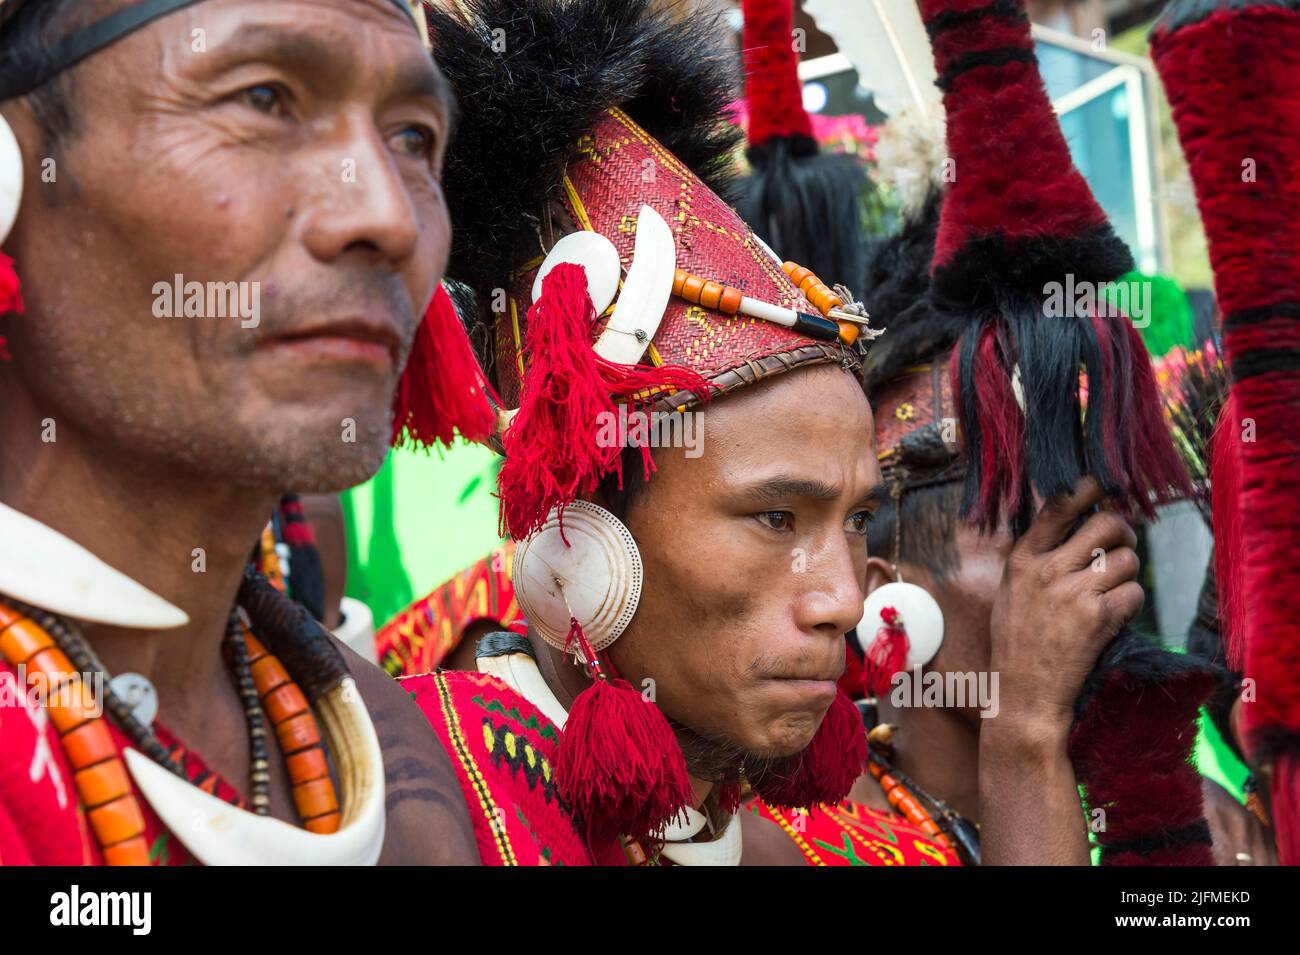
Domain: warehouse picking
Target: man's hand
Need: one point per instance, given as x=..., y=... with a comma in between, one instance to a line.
x=1063, y=598
x=1064, y=595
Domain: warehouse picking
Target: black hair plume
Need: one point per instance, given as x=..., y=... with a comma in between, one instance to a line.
x=897, y=295
x=532, y=76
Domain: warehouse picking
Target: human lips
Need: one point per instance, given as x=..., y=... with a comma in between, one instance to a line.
x=353, y=339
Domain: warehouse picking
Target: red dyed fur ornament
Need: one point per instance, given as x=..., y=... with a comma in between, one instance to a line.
x=442, y=390
x=1212, y=57
x=887, y=653
x=826, y=770
x=1020, y=219
x=11, y=297
x=619, y=766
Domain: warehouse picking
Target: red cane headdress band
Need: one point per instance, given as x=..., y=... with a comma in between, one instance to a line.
x=1212, y=58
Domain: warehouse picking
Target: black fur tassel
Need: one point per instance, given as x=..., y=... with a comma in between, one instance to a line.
x=807, y=205
x=532, y=77
x=896, y=292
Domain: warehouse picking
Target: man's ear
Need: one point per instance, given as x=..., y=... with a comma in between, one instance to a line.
x=879, y=573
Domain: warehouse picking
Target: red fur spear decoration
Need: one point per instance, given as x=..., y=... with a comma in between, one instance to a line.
x=1232, y=75
x=1019, y=221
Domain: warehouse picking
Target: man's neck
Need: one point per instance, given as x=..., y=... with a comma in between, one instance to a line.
x=182, y=537
x=938, y=749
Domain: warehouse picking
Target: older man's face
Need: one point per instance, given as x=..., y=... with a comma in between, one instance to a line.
x=283, y=154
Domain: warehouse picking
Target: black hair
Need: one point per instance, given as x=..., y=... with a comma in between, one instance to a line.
x=532, y=78
x=23, y=42
x=929, y=528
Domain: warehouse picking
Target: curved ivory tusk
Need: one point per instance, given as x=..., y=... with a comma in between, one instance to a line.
x=645, y=293
x=42, y=567
x=218, y=833
x=598, y=259
x=725, y=849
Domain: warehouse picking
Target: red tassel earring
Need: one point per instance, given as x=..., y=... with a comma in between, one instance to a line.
x=826, y=770
x=11, y=297
x=886, y=655
x=551, y=453
x=619, y=766
x=442, y=389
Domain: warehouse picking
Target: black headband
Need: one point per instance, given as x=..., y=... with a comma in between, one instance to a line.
x=78, y=45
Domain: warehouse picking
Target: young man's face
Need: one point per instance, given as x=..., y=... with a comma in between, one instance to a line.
x=755, y=562
x=290, y=148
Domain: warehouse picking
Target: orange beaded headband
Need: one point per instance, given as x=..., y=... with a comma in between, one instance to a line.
x=838, y=322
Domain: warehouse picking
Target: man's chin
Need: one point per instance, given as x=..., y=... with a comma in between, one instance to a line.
x=315, y=457
x=786, y=737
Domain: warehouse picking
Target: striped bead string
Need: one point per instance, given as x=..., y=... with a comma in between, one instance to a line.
x=909, y=805
x=259, y=765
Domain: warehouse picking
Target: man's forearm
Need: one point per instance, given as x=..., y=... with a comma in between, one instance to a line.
x=1030, y=812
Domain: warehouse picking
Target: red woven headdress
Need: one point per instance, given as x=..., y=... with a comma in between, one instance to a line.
x=1018, y=219
x=1232, y=74
x=575, y=125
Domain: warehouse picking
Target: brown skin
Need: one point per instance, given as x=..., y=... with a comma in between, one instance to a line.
x=180, y=433
x=1038, y=615
x=754, y=568
x=1053, y=615
x=1239, y=837
x=938, y=747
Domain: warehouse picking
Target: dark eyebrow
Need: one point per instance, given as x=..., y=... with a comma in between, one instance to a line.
x=784, y=488
x=307, y=52
x=251, y=41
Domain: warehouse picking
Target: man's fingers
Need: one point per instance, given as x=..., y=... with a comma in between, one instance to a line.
x=1098, y=535
x=1058, y=516
x=1110, y=570
x=1123, y=603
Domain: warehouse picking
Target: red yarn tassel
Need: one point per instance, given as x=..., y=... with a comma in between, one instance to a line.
x=886, y=655
x=852, y=681
x=826, y=770
x=619, y=766
x=442, y=389
x=11, y=296
x=729, y=797
x=552, y=455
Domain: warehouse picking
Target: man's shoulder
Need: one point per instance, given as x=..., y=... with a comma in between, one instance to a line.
x=428, y=821
x=450, y=697
x=504, y=751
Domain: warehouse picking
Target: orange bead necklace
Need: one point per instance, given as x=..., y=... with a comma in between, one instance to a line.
x=45, y=645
